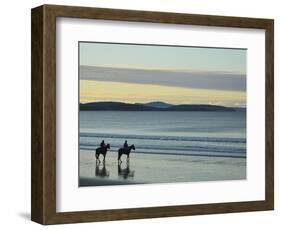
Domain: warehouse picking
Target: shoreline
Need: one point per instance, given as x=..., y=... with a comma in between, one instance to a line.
x=175, y=154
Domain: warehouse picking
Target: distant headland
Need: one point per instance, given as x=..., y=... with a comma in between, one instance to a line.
x=155, y=106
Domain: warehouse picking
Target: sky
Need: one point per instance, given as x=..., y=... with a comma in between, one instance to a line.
x=178, y=75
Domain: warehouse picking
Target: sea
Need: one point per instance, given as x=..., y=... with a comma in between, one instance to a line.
x=220, y=134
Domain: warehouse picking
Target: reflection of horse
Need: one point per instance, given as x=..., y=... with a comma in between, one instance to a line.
x=101, y=171
x=125, y=172
x=125, y=151
x=103, y=151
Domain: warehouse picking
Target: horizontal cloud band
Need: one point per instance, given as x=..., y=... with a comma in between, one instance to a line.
x=186, y=79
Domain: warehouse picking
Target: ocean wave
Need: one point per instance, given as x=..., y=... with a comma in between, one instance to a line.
x=165, y=138
x=193, y=152
x=175, y=148
x=173, y=145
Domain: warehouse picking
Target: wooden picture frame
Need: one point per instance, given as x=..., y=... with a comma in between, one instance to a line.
x=43, y=205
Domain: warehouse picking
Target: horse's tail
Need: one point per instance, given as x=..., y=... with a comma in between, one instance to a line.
x=119, y=153
x=97, y=153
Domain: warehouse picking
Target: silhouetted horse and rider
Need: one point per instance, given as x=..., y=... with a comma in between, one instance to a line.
x=102, y=150
x=126, y=150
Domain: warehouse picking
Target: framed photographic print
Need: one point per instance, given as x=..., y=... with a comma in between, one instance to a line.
x=140, y=114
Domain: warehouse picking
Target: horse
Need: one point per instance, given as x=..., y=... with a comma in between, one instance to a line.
x=125, y=151
x=103, y=151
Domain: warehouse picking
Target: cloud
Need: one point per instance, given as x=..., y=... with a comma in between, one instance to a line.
x=185, y=79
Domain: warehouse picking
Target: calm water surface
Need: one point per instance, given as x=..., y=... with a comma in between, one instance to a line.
x=179, y=133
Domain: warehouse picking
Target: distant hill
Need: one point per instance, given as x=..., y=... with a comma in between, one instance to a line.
x=120, y=106
x=201, y=108
x=240, y=109
x=115, y=106
x=158, y=104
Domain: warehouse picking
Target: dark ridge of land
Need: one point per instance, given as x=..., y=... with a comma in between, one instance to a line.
x=157, y=104
x=120, y=106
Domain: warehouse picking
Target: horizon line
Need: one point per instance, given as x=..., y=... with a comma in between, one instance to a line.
x=144, y=103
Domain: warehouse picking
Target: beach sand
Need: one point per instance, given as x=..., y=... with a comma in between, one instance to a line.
x=157, y=168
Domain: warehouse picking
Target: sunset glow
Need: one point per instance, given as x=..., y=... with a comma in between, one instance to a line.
x=92, y=91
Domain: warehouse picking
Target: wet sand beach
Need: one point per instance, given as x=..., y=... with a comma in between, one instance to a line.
x=157, y=168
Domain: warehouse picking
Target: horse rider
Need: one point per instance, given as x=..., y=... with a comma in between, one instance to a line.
x=125, y=146
x=102, y=144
